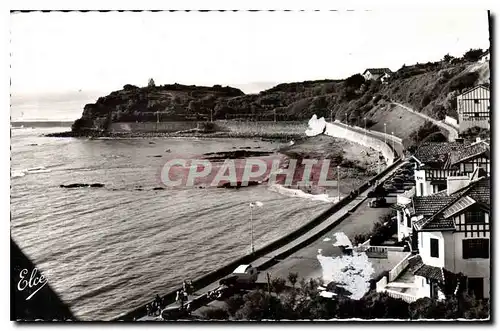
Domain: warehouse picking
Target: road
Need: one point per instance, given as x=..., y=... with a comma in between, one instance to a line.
x=452, y=132
x=299, y=255
x=305, y=262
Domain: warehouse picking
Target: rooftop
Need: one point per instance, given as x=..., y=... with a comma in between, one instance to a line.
x=431, y=204
x=466, y=152
x=447, y=154
x=430, y=272
x=378, y=71
x=438, y=209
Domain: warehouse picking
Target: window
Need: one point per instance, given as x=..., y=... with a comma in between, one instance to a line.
x=434, y=247
x=421, y=189
x=475, y=248
x=476, y=115
x=476, y=101
x=408, y=221
x=441, y=187
x=468, y=167
x=474, y=217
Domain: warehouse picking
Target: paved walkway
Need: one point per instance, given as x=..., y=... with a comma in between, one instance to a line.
x=452, y=132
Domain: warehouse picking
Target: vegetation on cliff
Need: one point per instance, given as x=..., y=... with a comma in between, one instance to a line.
x=430, y=88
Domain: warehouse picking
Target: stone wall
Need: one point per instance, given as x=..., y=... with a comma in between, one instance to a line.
x=151, y=126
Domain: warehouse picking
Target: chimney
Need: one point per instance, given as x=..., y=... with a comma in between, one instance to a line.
x=455, y=183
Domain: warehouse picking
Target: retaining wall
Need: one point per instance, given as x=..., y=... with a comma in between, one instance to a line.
x=394, y=273
x=213, y=276
x=341, y=131
x=124, y=127
x=265, y=127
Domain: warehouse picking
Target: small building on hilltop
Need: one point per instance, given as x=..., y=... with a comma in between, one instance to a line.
x=381, y=74
x=485, y=57
x=473, y=108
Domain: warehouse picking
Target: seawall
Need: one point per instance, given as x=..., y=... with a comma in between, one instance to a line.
x=341, y=131
x=247, y=128
x=132, y=127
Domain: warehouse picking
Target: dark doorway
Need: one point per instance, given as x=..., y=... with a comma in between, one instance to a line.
x=475, y=286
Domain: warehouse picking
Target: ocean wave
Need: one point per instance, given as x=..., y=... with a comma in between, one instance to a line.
x=24, y=172
x=295, y=193
x=17, y=173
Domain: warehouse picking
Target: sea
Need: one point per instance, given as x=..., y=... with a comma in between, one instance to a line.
x=108, y=250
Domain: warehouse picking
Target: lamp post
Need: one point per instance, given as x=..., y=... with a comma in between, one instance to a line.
x=378, y=163
x=251, y=228
x=392, y=134
x=385, y=133
x=365, y=129
x=338, y=183
x=331, y=115
x=346, y=119
x=253, y=204
x=211, y=112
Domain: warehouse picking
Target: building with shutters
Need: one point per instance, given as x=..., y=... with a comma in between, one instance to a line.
x=435, y=162
x=473, y=108
x=382, y=74
x=449, y=232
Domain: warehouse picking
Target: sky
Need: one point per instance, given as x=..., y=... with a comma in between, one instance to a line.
x=81, y=56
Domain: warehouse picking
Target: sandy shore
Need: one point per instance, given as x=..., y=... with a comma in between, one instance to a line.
x=357, y=163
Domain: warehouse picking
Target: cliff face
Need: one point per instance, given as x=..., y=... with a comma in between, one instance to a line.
x=430, y=88
x=168, y=102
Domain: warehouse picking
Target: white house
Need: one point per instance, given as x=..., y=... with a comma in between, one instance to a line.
x=450, y=231
x=435, y=162
x=473, y=108
x=382, y=74
x=485, y=57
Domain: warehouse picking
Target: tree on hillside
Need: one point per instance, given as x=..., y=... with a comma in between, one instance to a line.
x=473, y=54
x=151, y=83
x=447, y=58
x=354, y=81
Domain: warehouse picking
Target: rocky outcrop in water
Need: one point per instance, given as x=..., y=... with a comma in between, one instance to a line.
x=76, y=185
x=237, y=154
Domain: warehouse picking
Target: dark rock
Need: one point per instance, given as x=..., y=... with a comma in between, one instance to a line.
x=158, y=188
x=238, y=184
x=237, y=154
x=97, y=185
x=74, y=185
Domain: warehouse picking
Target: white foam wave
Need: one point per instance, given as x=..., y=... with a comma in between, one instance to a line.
x=295, y=193
x=17, y=173
x=316, y=126
x=24, y=172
